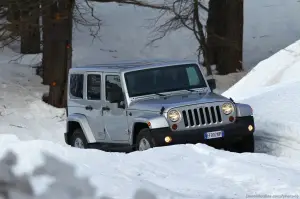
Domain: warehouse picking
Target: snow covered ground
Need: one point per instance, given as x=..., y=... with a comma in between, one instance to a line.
x=22, y=112
x=269, y=25
x=177, y=172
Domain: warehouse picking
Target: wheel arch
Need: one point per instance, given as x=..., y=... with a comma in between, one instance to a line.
x=71, y=127
x=150, y=122
x=79, y=121
x=138, y=126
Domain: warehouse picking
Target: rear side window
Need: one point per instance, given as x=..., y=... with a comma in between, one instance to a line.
x=93, y=87
x=76, y=86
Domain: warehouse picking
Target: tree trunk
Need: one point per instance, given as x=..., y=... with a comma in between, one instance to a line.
x=13, y=17
x=13, y=12
x=225, y=35
x=199, y=34
x=49, y=8
x=61, y=42
x=30, y=27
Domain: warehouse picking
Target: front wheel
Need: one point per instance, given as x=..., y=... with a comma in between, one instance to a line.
x=78, y=139
x=144, y=140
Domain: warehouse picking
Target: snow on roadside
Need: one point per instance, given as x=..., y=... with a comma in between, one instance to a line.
x=182, y=171
x=272, y=89
x=22, y=112
x=282, y=67
x=277, y=120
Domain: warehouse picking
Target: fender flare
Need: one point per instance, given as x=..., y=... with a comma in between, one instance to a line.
x=243, y=110
x=82, y=121
x=155, y=122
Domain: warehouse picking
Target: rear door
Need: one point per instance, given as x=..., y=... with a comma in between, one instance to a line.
x=75, y=94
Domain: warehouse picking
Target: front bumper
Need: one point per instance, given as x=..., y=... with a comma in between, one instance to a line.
x=232, y=133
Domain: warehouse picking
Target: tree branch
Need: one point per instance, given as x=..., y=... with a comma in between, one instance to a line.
x=135, y=2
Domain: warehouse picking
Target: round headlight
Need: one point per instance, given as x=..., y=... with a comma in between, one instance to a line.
x=174, y=115
x=227, y=108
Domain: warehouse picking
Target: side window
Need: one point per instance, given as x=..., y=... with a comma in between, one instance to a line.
x=113, y=89
x=192, y=76
x=76, y=86
x=93, y=87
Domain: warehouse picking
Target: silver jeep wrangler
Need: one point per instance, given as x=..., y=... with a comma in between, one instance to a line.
x=124, y=107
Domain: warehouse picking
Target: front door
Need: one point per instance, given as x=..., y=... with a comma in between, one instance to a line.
x=93, y=104
x=115, y=120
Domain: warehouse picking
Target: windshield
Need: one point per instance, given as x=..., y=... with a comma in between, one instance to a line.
x=164, y=79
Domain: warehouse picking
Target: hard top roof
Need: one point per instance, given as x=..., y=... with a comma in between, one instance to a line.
x=126, y=66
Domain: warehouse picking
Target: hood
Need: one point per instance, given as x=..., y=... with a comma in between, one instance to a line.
x=155, y=104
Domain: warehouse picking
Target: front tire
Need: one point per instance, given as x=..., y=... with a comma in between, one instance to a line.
x=144, y=140
x=78, y=139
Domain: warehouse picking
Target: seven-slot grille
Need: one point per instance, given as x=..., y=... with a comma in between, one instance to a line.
x=202, y=116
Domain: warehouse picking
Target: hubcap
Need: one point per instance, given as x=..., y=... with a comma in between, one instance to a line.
x=144, y=145
x=78, y=143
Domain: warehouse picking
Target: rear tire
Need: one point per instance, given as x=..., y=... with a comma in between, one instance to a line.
x=144, y=140
x=78, y=139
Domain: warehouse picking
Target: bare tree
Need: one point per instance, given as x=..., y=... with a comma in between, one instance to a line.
x=29, y=26
x=58, y=21
x=57, y=41
x=58, y=17
x=220, y=41
x=183, y=14
x=225, y=35
x=9, y=22
x=20, y=22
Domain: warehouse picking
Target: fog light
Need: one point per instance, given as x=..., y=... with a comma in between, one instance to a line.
x=250, y=127
x=168, y=139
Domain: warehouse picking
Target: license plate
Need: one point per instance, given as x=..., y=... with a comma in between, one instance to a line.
x=213, y=135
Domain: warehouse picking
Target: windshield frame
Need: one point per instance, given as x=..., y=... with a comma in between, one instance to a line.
x=198, y=71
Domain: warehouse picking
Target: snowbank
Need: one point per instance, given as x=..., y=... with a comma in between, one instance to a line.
x=22, y=113
x=185, y=172
x=280, y=68
x=272, y=89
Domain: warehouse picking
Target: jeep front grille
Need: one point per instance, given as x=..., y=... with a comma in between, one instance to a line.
x=202, y=116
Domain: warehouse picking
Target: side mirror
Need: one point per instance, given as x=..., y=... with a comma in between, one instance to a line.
x=212, y=83
x=121, y=105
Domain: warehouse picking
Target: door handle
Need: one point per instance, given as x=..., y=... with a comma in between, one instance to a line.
x=106, y=108
x=89, y=108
